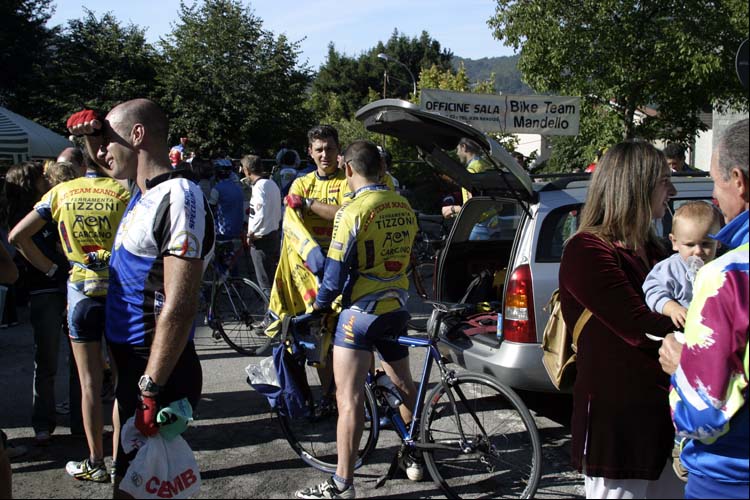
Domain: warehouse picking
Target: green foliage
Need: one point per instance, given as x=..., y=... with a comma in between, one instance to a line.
x=96, y=63
x=600, y=128
x=228, y=83
x=354, y=80
x=24, y=44
x=674, y=55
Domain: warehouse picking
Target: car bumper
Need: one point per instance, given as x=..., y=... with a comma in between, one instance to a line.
x=514, y=364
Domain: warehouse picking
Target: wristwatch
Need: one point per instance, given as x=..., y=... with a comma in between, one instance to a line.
x=146, y=384
x=52, y=270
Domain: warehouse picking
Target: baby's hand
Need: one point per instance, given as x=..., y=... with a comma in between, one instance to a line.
x=675, y=311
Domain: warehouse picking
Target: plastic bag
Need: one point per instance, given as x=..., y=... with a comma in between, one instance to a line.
x=263, y=373
x=161, y=468
x=173, y=420
x=288, y=391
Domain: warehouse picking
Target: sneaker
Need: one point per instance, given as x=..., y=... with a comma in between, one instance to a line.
x=12, y=451
x=414, y=468
x=85, y=471
x=326, y=489
x=42, y=438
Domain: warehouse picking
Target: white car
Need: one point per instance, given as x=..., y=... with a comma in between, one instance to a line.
x=512, y=227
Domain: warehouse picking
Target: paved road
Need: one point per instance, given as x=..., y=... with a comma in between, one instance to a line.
x=238, y=444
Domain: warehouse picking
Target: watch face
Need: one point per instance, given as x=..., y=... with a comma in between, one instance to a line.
x=145, y=384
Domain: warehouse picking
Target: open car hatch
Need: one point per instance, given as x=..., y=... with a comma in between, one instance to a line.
x=435, y=136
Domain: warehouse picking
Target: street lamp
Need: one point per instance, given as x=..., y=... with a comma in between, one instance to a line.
x=388, y=58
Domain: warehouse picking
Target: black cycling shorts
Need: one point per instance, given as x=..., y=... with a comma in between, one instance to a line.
x=186, y=381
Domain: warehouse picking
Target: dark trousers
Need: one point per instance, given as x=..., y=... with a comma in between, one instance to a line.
x=47, y=314
x=265, y=254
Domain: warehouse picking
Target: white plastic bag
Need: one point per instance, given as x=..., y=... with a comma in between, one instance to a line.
x=263, y=373
x=161, y=468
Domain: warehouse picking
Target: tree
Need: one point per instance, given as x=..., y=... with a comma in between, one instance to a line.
x=353, y=80
x=97, y=63
x=24, y=47
x=674, y=55
x=228, y=83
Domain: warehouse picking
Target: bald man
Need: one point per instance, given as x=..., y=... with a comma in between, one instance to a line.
x=73, y=156
x=161, y=249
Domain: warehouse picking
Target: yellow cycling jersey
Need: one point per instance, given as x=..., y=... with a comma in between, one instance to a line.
x=332, y=190
x=370, y=251
x=476, y=165
x=87, y=212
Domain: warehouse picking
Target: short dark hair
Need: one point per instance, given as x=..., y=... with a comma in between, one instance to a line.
x=470, y=145
x=320, y=132
x=364, y=158
x=289, y=157
x=674, y=151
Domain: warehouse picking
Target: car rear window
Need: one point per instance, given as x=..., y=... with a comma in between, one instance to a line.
x=562, y=223
x=497, y=222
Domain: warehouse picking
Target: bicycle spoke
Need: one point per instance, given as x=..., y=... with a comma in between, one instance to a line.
x=496, y=450
x=239, y=309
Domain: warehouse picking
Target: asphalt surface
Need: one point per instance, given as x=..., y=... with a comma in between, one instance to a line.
x=237, y=441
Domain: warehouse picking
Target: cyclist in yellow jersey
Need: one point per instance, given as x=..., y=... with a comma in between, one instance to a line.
x=87, y=211
x=366, y=264
x=468, y=152
x=319, y=194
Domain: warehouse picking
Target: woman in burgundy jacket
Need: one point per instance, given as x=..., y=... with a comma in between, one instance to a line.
x=621, y=425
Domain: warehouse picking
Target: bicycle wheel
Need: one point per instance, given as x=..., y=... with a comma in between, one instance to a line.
x=314, y=438
x=422, y=278
x=238, y=307
x=500, y=453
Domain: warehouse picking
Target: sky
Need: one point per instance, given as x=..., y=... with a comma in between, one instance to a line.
x=354, y=26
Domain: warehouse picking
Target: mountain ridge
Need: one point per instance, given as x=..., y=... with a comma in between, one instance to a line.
x=507, y=76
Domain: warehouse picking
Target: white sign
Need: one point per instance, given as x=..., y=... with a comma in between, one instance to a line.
x=545, y=115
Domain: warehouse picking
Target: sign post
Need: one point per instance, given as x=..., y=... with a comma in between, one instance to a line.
x=545, y=115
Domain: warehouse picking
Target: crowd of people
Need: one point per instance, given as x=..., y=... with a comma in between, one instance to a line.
x=114, y=244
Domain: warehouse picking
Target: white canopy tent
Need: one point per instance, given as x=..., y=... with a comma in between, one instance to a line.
x=22, y=139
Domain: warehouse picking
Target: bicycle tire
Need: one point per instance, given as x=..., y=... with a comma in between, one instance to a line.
x=504, y=461
x=422, y=281
x=314, y=438
x=240, y=305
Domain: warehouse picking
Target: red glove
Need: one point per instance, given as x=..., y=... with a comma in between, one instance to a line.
x=145, y=416
x=294, y=201
x=77, y=121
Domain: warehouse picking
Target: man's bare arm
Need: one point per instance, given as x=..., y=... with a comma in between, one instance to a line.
x=324, y=210
x=182, y=281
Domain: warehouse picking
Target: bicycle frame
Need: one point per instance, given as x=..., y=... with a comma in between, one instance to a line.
x=434, y=356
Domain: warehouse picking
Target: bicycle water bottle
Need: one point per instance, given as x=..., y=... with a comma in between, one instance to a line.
x=388, y=388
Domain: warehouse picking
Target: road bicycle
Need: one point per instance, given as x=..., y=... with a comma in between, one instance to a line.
x=475, y=434
x=234, y=306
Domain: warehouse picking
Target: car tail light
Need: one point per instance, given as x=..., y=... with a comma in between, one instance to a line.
x=518, y=320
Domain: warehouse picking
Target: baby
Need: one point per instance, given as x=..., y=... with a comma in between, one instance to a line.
x=669, y=285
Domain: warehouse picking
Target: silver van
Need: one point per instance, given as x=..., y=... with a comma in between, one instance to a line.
x=512, y=227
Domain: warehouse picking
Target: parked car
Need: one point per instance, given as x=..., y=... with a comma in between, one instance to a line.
x=513, y=227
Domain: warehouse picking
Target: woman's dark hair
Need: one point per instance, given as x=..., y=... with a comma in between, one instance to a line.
x=19, y=192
